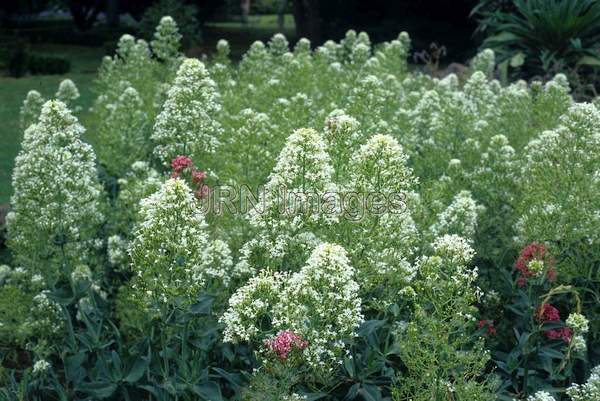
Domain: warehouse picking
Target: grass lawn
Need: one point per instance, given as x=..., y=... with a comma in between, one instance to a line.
x=84, y=62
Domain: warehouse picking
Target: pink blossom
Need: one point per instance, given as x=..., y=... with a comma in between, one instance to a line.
x=198, y=176
x=180, y=163
x=284, y=343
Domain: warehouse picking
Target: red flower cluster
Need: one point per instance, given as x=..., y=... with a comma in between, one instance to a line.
x=548, y=313
x=490, y=327
x=182, y=164
x=564, y=333
x=531, y=252
x=284, y=342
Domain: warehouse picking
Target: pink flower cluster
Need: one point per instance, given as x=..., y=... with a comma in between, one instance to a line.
x=548, y=313
x=531, y=252
x=183, y=164
x=284, y=343
x=179, y=164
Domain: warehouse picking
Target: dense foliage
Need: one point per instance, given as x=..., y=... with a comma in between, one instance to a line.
x=307, y=224
x=543, y=36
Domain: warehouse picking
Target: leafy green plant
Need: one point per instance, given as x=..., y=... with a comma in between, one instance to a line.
x=542, y=35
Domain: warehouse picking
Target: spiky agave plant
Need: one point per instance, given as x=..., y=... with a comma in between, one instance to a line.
x=544, y=34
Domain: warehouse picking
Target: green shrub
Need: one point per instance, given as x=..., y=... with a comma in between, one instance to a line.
x=47, y=65
x=17, y=61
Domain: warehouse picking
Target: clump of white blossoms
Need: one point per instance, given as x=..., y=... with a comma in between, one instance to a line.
x=380, y=174
x=31, y=109
x=325, y=292
x=56, y=203
x=167, y=39
x=460, y=217
x=250, y=305
x=41, y=366
x=580, y=326
x=253, y=139
x=67, y=92
x=484, y=61
x=172, y=255
x=588, y=391
x=124, y=133
x=319, y=303
x=290, y=204
x=561, y=201
x=279, y=45
x=578, y=323
x=341, y=135
x=187, y=124
x=541, y=396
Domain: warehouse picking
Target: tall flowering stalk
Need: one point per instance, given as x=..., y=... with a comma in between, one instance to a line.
x=171, y=254
x=187, y=123
x=57, y=200
x=288, y=212
x=167, y=40
x=30, y=109
x=381, y=177
x=124, y=133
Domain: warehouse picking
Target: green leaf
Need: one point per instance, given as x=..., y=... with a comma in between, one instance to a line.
x=203, y=306
x=233, y=378
x=371, y=392
x=552, y=353
x=137, y=370
x=369, y=327
x=98, y=389
x=208, y=391
x=589, y=60
x=517, y=60
x=352, y=392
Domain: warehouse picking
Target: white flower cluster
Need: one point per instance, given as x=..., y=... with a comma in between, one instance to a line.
x=167, y=38
x=124, y=132
x=41, y=366
x=288, y=206
x=187, y=124
x=67, y=92
x=250, y=305
x=562, y=202
x=382, y=255
x=484, y=61
x=580, y=326
x=455, y=248
x=460, y=217
x=447, y=275
x=319, y=303
x=541, y=396
x=294, y=397
x=56, y=203
x=31, y=109
x=172, y=255
x=589, y=391
x=45, y=319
